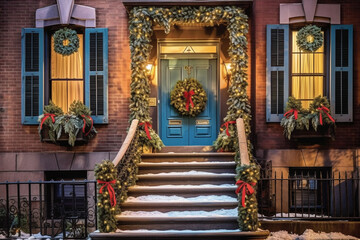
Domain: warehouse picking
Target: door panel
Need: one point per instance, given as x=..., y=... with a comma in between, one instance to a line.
x=176, y=130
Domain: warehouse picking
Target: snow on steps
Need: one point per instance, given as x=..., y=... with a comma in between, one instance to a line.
x=182, y=191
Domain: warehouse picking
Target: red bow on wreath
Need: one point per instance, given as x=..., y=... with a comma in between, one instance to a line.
x=92, y=124
x=46, y=116
x=326, y=111
x=293, y=110
x=147, y=125
x=110, y=190
x=227, y=126
x=245, y=188
x=187, y=96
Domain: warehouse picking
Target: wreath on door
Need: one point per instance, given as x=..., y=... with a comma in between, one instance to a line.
x=66, y=41
x=188, y=97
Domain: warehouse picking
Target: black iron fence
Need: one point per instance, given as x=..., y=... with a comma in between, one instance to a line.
x=310, y=194
x=48, y=209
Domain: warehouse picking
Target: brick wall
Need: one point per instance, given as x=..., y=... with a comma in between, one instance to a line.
x=269, y=135
x=19, y=14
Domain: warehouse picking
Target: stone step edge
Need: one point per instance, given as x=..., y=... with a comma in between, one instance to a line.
x=180, y=189
x=178, y=204
x=187, y=164
x=180, y=235
x=195, y=154
x=185, y=176
x=157, y=219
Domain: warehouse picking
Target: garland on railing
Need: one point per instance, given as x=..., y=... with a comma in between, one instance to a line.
x=106, y=176
x=248, y=176
x=141, y=20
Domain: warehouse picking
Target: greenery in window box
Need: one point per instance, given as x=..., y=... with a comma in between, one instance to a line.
x=77, y=120
x=297, y=118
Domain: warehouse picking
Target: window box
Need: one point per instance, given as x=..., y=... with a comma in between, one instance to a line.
x=64, y=138
x=325, y=131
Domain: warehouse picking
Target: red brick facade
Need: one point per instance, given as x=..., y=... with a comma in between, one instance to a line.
x=111, y=14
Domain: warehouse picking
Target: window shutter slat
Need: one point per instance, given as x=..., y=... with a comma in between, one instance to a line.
x=277, y=83
x=96, y=73
x=341, y=97
x=32, y=40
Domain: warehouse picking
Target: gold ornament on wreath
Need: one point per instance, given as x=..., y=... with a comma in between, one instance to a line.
x=188, y=97
x=309, y=38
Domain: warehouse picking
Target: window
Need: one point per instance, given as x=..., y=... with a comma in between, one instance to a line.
x=67, y=76
x=307, y=72
x=307, y=75
x=309, y=189
x=81, y=76
x=69, y=197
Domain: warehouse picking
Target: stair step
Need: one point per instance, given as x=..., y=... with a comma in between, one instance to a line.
x=188, y=157
x=176, y=223
x=177, y=206
x=179, y=235
x=177, y=179
x=181, y=191
x=214, y=167
x=187, y=149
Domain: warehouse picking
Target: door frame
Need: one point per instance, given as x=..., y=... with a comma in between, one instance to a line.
x=173, y=42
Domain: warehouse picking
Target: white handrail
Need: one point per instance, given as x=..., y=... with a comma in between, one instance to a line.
x=243, y=148
x=127, y=141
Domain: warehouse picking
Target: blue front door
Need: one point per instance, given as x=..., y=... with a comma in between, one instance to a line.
x=176, y=130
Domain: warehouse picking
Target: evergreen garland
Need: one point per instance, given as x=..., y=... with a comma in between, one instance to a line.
x=248, y=215
x=319, y=106
x=309, y=38
x=141, y=20
x=179, y=101
x=106, y=171
x=66, y=35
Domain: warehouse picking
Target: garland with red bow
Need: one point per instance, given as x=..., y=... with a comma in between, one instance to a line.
x=92, y=124
x=326, y=111
x=46, y=116
x=245, y=189
x=110, y=190
x=226, y=124
x=188, y=97
x=294, y=111
x=147, y=126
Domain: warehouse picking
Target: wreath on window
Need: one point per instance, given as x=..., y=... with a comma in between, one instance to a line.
x=309, y=38
x=66, y=41
x=188, y=97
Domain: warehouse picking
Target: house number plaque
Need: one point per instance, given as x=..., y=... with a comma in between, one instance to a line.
x=152, y=102
x=202, y=122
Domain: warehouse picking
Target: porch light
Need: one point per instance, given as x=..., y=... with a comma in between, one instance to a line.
x=227, y=66
x=149, y=71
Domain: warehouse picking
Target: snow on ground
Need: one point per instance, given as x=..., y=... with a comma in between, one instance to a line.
x=178, y=231
x=216, y=213
x=309, y=234
x=162, y=198
x=193, y=172
x=189, y=186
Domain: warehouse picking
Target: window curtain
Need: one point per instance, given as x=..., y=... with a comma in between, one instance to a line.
x=306, y=68
x=67, y=82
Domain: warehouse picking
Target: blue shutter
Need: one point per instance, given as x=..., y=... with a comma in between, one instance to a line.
x=277, y=71
x=96, y=73
x=32, y=52
x=341, y=96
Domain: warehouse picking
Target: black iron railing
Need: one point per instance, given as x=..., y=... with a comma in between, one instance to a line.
x=309, y=196
x=48, y=209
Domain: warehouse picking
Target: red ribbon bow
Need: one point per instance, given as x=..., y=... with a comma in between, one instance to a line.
x=245, y=188
x=46, y=116
x=293, y=110
x=326, y=111
x=110, y=190
x=187, y=96
x=227, y=126
x=147, y=126
x=92, y=124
